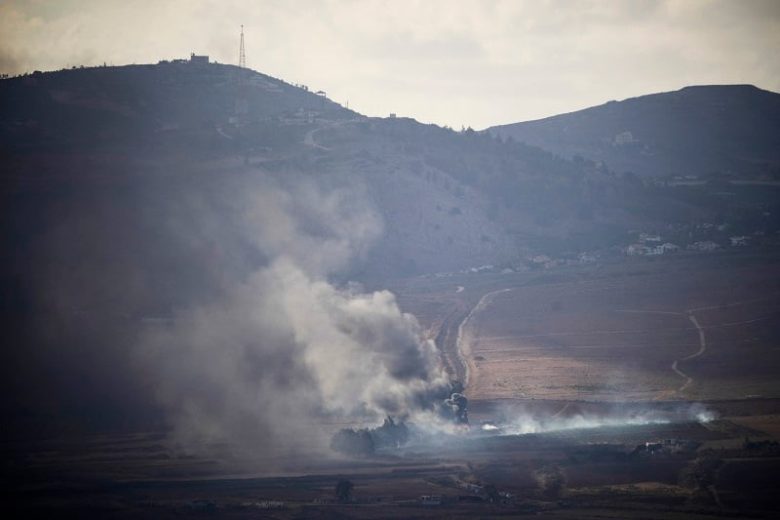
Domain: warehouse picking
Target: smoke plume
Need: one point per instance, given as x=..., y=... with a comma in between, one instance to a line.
x=514, y=422
x=283, y=348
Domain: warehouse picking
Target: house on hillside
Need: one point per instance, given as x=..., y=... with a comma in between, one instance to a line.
x=637, y=250
x=667, y=247
x=430, y=500
x=651, y=250
x=704, y=245
x=198, y=60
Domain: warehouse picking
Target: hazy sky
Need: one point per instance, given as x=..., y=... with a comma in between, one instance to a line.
x=455, y=62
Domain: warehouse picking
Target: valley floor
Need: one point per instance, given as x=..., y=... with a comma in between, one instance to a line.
x=693, y=327
x=674, y=337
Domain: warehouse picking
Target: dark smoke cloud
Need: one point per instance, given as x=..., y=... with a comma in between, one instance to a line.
x=283, y=348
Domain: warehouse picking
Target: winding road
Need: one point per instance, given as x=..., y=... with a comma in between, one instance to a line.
x=308, y=139
x=454, y=341
x=702, y=349
x=690, y=313
x=688, y=380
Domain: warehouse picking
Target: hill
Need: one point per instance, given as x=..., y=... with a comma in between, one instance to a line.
x=129, y=194
x=731, y=130
x=449, y=200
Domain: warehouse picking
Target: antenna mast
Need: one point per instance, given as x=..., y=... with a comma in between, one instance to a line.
x=241, y=52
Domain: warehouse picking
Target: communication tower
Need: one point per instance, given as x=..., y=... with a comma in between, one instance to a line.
x=241, y=52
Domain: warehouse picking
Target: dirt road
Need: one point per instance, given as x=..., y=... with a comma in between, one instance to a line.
x=308, y=140
x=702, y=349
x=463, y=339
x=447, y=340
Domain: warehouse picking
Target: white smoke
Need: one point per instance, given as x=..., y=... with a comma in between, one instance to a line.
x=523, y=423
x=526, y=425
x=283, y=348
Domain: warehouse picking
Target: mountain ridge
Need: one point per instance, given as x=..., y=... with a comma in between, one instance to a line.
x=574, y=111
x=697, y=130
x=130, y=193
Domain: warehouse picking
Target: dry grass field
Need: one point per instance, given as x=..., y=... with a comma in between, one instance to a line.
x=615, y=333
x=586, y=341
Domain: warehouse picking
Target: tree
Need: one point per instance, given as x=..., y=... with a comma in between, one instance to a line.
x=491, y=493
x=344, y=490
x=550, y=481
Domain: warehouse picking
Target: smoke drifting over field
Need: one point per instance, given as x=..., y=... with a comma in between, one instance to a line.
x=514, y=423
x=284, y=348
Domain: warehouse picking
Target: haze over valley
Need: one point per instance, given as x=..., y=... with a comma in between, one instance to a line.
x=226, y=293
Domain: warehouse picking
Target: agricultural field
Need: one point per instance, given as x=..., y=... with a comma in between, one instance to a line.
x=689, y=327
x=576, y=412
x=581, y=473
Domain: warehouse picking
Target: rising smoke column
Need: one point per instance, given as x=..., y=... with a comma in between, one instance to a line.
x=282, y=347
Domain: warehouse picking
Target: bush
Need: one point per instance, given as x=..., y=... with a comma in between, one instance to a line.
x=550, y=481
x=344, y=490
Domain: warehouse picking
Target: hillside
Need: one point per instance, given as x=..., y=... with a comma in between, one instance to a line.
x=132, y=194
x=129, y=134
x=731, y=130
x=161, y=136
x=141, y=104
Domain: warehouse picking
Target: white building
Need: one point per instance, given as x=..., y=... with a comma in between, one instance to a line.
x=704, y=245
x=199, y=60
x=647, y=237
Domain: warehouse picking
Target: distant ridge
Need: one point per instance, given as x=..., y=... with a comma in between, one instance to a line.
x=93, y=105
x=695, y=131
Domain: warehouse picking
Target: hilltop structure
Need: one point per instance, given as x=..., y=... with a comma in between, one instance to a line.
x=196, y=59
